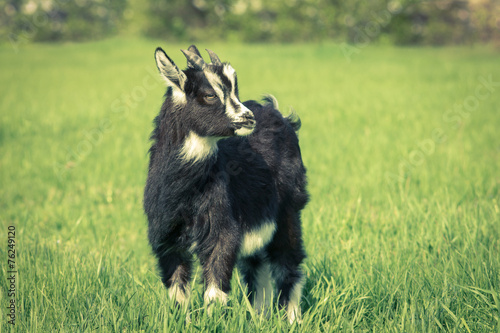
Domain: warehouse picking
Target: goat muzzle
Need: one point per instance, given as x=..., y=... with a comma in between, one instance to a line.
x=245, y=125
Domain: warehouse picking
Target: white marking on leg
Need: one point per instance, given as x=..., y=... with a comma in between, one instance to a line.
x=257, y=238
x=293, y=307
x=214, y=295
x=197, y=148
x=175, y=292
x=264, y=289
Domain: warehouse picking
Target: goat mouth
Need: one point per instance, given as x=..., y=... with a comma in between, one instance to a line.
x=244, y=128
x=246, y=124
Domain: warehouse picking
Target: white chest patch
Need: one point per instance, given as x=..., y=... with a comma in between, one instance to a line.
x=197, y=148
x=257, y=239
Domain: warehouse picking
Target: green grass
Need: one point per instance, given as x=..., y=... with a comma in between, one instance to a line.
x=402, y=231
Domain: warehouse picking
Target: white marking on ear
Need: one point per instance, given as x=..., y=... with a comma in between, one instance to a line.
x=175, y=292
x=197, y=148
x=263, y=289
x=293, y=307
x=178, y=96
x=257, y=238
x=174, y=77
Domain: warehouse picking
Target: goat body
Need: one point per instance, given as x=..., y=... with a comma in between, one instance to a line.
x=226, y=183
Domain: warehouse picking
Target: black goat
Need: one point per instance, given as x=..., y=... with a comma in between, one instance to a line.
x=226, y=182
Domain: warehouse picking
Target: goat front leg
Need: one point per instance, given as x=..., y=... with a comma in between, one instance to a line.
x=175, y=269
x=218, y=264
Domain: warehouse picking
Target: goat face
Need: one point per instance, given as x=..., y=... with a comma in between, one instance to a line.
x=207, y=95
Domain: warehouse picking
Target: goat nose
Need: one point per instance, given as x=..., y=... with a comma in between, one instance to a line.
x=248, y=115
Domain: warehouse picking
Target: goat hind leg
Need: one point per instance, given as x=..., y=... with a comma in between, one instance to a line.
x=289, y=282
x=286, y=253
x=257, y=276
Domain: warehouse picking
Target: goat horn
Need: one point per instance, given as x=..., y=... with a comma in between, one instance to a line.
x=194, y=60
x=194, y=49
x=214, y=58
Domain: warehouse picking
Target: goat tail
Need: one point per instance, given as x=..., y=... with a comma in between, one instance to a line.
x=270, y=100
x=293, y=119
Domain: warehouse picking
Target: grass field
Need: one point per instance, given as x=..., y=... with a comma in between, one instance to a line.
x=403, y=157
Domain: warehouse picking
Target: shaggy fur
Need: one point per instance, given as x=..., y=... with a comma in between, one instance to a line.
x=226, y=183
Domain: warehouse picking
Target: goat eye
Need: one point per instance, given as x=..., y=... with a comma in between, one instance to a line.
x=210, y=97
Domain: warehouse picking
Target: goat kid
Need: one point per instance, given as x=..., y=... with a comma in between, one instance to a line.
x=226, y=183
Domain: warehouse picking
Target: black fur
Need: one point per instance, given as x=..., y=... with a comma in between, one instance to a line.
x=206, y=207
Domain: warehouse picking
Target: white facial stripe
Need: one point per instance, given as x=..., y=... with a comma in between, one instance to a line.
x=230, y=73
x=215, y=82
x=293, y=308
x=197, y=148
x=231, y=111
x=243, y=108
x=234, y=108
x=257, y=239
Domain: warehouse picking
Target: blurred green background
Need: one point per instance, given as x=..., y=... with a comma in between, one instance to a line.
x=405, y=22
x=401, y=146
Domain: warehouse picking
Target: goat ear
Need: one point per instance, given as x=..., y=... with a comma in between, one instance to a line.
x=170, y=72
